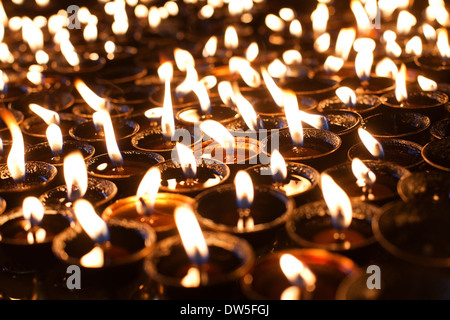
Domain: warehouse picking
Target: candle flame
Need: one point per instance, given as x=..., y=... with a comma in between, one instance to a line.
x=41, y=57
x=32, y=34
x=3, y=81
x=333, y=64
x=16, y=157
x=275, y=91
x=362, y=19
x=34, y=75
x=244, y=198
x=252, y=51
x=55, y=139
x=319, y=18
x=292, y=56
x=5, y=55
x=442, y=43
x=75, y=175
x=219, y=133
x=405, y=22
x=278, y=166
x=364, y=176
x=315, y=120
x=33, y=210
x=386, y=68
x=274, y=23
x=90, y=221
x=209, y=81
x=90, y=97
x=201, y=92
x=104, y=118
x=93, y=259
x=291, y=293
x=148, y=190
x=210, y=47
x=429, y=32
x=231, y=38
x=242, y=66
x=90, y=32
x=165, y=72
x=344, y=42
x=293, y=116
x=48, y=116
x=297, y=273
x=373, y=146
x=295, y=28
x=347, y=96
x=192, y=279
x=427, y=84
x=69, y=53
x=277, y=69
x=322, y=43
x=226, y=93
x=154, y=19
x=287, y=14
x=401, y=93
x=337, y=202
x=187, y=161
x=183, y=58
x=414, y=46
x=364, y=44
x=192, y=237
x=363, y=64
x=393, y=48
x=246, y=110
x=188, y=83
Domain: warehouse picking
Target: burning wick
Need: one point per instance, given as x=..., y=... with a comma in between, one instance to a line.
x=244, y=195
x=33, y=212
x=3, y=84
x=365, y=178
x=299, y=275
x=339, y=205
x=373, y=146
x=188, y=163
x=195, y=246
x=148, y=189
x=103, y=118
x=278, y=169
x=75, y=175
x=294, y=118
x=97, y=230
x=55, y=139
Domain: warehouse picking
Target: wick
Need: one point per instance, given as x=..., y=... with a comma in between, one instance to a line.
x=278, y=185
x=147, y=211
x=106, y=246
x=203, y=273
x=339, y=236
x=32, y=231
x=244, y=218
x=120, y=168
x=367, y=193
x=190, y=181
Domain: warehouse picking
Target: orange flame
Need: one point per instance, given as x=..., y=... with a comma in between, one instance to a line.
x=16, y=157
